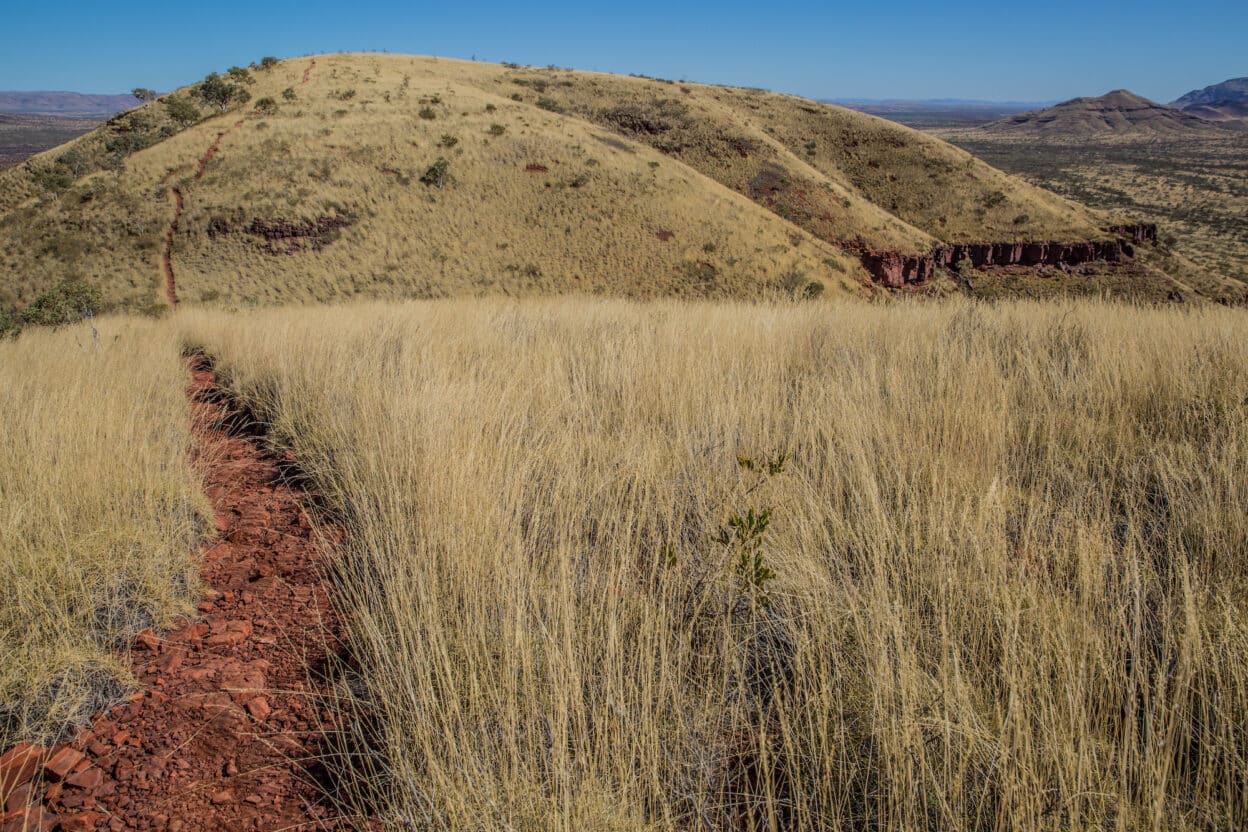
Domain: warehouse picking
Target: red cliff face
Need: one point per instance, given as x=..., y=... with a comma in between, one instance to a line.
x=895, y=269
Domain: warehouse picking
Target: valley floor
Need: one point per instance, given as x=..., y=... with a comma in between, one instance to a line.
x=1196, y=189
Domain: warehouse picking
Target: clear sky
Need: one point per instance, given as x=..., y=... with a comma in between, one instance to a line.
x=864, y=49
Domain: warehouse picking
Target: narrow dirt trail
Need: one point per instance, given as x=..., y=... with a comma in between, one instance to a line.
x=227, y=712
x=178, y=202
x=166, y=255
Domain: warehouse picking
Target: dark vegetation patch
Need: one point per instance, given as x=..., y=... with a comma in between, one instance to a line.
x=281, y=235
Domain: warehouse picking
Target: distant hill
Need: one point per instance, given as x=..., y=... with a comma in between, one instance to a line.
x=63, y=103
x=1120, y=113
x=1217, y=102
x=938, y=112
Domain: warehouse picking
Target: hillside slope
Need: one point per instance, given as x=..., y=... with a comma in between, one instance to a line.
x=1120, y=113
x=395, y=176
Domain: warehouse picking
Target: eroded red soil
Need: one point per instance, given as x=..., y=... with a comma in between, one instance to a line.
x=224, y=734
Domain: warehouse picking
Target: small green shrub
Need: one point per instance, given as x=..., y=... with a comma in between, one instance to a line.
x=9, y=327
x=71, y=301
x=343, y=95
x=1022, y=219
x=237, y=73
x=126, y=143
x=549, y=104
x=268, y=62
x=448, y=140
x=489, y=108
x=427, y=113
x=53, y=180
x=289, y=94
x=266, y=105
x=181, y=110
x=497, y=130
x=436, y=174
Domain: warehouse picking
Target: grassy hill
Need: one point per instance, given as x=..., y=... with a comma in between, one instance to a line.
x=399, y=176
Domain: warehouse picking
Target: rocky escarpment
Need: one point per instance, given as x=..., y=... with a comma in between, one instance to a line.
x=895, y=269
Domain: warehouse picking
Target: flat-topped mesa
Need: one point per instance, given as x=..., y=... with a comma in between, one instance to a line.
x=895, y=269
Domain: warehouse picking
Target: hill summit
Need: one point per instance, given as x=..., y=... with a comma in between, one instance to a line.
x=316, y=179
x=1120, y=112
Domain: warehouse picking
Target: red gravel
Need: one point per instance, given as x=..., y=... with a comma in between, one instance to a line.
x=227, y=711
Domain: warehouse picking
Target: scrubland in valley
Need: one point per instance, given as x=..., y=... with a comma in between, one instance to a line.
x=623, y=566
x=1194, y=187
x=100, y=515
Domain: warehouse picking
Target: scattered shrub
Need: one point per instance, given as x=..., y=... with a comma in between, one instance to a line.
x=215, y=91
x=497, y=130
x=448, y=141
x=266, y=105
x=343, y=95
x=74, y=159
x=144, y=94
x=549, y=104
x=8, y=324
x=71, y=301
x=1022, y=219
x=289, y=94
x=268, y=62
x=181, y=110
x=240, y=75
x=489, y=108
x=427, y=114
x=436, y=174
x=53, y=180
x=126, y=143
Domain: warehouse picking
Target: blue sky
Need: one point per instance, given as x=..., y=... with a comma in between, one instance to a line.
x=899, y=49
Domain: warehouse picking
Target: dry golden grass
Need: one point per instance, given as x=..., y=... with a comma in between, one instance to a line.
x=649, y=189
x=100, y=515
x=1003, y=584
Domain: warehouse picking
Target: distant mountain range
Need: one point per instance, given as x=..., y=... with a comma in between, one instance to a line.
x=1217, y=102
x=52, y=103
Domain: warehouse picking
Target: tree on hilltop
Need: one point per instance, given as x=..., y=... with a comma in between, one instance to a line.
x=215, y=91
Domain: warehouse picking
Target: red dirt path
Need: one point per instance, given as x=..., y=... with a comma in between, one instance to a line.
x=175, y=197
x=166, y=254
x=227, y=709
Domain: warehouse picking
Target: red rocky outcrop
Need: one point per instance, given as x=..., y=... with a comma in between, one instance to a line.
x=895, y=269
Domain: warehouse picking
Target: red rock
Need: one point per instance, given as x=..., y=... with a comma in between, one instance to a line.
x=233, y=632
x=147, y=640
x=32, y=819
x=81, y=822
x=86, y=779
x=18, y=798
x=62, y=762
x=222, y=797
x=19, y=764
x=259, y=709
